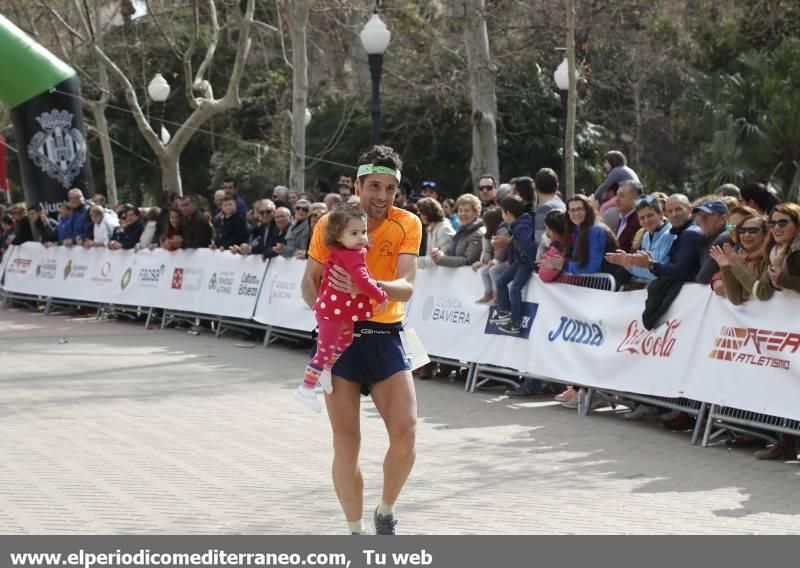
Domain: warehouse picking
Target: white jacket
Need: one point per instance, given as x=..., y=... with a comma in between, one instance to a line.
x=148, y=234
x=103, y=231
x=440, y=236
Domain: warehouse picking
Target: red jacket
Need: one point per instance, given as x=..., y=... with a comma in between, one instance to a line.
x=335, y=305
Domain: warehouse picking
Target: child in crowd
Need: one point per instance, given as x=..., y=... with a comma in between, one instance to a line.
x=522, y=256
x=557, y=239
x=336, y=312
x=492, y=262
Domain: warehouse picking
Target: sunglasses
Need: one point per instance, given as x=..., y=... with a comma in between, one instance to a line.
x=266, y=212
x=301, y=209
x=486, y=187
x=749, y=230
x=781, y=223
x=648, y=199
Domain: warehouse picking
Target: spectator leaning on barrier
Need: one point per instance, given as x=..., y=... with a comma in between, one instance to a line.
x=782, y=248
x=148, y=238
x=741, y=266
x=197, y=231
x=261, y=234
x=299, y=235
x=172, y=237
x=439, y=230
x=711, y=216
x=277, y=237
x=589, y=240
x=466, y=245
x=35, y=226
x=103, y=229
x=522, y=255
x=79, y=223
x=616, y=166
x=682, y=266
x=493, y=262
x=130, y=231
x=655, y=246
x=233, y=228
x=684, y=257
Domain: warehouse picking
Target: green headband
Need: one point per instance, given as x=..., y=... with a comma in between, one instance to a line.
x=367, y=169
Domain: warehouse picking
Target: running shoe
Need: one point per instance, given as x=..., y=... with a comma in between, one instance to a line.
x=309, y=398
x=384, y=525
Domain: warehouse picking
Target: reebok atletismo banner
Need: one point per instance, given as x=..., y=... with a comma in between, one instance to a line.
x=747, y=356
x=200, y=281
x=43, y=94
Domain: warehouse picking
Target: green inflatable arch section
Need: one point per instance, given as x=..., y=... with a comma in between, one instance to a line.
x=28, y=68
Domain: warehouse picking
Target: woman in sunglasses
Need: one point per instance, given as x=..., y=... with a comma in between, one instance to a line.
x=782, y=250
x=742, y=265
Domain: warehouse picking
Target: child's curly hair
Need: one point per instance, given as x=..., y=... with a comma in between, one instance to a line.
x=337, y=223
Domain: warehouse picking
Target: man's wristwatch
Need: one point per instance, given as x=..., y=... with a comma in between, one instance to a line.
x=651, y=267
x=380, y=285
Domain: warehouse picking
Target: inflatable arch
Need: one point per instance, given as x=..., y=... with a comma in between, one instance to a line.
x=43, y=94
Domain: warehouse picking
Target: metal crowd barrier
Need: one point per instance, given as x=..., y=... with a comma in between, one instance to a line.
x=596, y=281
x=722, y=419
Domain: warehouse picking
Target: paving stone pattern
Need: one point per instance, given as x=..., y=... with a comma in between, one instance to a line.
x=124, y=430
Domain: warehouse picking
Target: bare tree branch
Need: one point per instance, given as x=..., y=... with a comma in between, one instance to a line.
x=212, y=48
x=170, y=42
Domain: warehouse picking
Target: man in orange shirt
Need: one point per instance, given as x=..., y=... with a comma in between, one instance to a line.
x=375, y=363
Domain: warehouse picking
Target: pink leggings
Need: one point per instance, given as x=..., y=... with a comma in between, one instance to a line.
x=334, y=338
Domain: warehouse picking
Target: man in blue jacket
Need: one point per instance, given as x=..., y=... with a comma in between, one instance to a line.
x=80, y=225
x=684, y=255
x=522, y=257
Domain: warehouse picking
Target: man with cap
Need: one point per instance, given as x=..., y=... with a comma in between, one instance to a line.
x=428, y=189
x=711, y=216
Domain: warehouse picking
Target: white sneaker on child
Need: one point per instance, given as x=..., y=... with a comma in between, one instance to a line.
x=326, y=380
x=308, y=397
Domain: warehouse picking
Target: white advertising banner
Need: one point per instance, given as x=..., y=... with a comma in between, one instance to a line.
x=450, y=324
x=201, y=281
x=597, y=338
x=281, y=301
x=747, y=356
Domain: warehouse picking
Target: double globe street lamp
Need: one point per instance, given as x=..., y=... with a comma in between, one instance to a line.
x=375, y=39
x=159, y=90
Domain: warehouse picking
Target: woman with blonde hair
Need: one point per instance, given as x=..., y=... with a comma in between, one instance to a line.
x=467, y=243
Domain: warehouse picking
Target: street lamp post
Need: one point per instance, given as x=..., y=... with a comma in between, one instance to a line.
x=561, y=78
x=375, y=39
x=159, y=90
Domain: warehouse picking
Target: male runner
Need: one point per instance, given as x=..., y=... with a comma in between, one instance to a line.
x=375, y=363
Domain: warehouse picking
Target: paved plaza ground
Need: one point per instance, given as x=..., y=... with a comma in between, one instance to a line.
x=123, y=430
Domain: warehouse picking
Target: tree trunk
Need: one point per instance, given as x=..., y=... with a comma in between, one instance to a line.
x=482, y=86
x=298, y=12
x=101, y=124
x=569, y=143
x=171, y=173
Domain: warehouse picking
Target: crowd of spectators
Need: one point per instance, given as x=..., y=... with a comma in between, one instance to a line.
x=742, y=242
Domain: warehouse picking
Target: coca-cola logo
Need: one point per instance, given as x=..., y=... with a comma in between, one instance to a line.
x=656, y=343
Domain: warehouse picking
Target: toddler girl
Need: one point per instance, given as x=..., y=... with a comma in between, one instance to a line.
x=336, y=312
